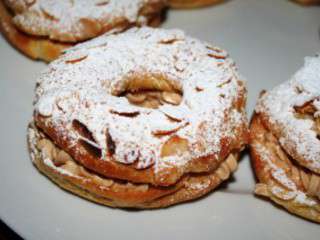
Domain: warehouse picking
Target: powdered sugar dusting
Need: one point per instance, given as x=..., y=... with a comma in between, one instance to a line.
x=86, y=91
x=279, y=104
x=60, y=19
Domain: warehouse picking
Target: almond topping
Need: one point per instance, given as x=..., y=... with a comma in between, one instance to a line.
x=172, y=98
x=136, y=97
x=174, y=146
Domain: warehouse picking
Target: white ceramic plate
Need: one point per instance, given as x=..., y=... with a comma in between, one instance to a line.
x=267, y=38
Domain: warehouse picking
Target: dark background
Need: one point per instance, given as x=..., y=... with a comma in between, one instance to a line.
x=6, y=233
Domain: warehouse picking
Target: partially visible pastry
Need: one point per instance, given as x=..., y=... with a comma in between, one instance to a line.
x=192, y=3
x=307, y=2
x=42, y=29
x=285, y=143
x=146, y=118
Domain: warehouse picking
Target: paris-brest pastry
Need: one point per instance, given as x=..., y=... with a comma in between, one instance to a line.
x=146, y=118
x=42, y=29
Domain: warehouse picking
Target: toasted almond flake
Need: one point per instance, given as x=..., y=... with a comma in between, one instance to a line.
x=76, y=60
x=172, y=98
x=136, y=98
x=152, y=103
x=283, y=194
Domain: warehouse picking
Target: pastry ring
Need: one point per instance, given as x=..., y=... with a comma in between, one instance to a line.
x=42, y=29
x=145, y=107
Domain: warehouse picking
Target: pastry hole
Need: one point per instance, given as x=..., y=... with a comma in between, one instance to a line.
x=153, y=99
x=149, y=90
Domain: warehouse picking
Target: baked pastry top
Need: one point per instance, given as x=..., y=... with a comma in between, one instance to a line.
x=78, y=20
x=42, y=29
x=298, y=135
x=90, y=99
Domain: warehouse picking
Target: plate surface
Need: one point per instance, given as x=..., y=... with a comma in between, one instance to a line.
x=268, y=39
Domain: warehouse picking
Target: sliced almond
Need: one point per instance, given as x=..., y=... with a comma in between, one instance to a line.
x=136, y=97
x=102, y=3
x=174, y=146
x=76, y=60
x=152, y=103
x=283, y=194
x=172, y=98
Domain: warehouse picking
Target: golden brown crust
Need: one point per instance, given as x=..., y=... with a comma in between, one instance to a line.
x=33, y=47
x=74, y=178
x=280, y=178
x=192, y=3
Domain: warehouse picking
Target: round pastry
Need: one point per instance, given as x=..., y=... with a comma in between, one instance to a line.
x=42, y=29
x=285, y=143
x=145, y=109
x=192, y=3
